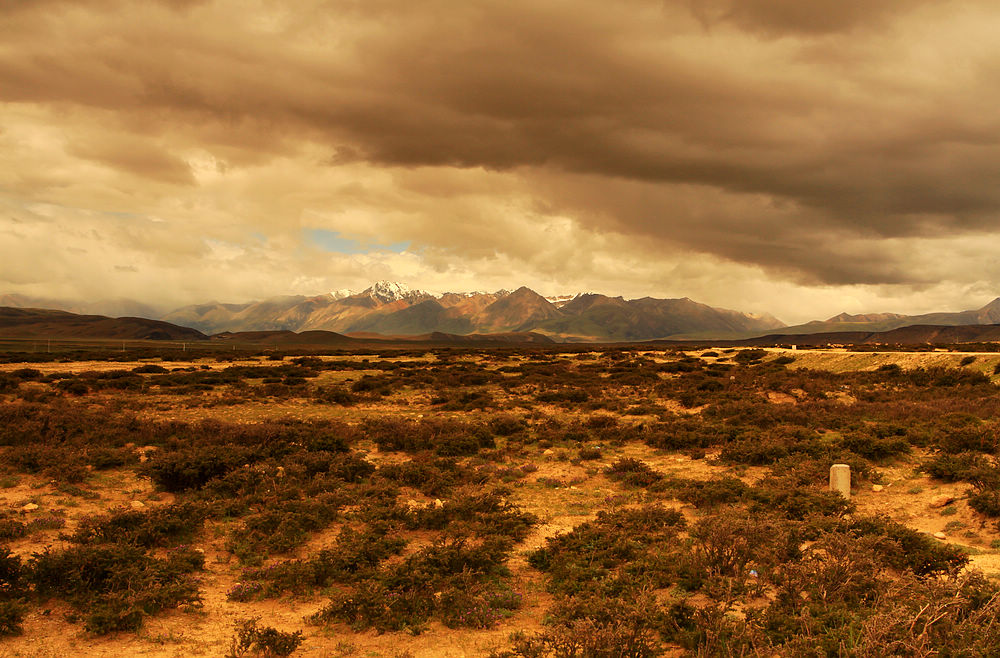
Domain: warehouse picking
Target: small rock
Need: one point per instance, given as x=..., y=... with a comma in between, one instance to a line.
x=549, y=451
x=137, y=504
x=942, y=500
x=281, y=471
x=572, y=487
x=940, y=535
x=877, y=487
x=30, y=507
x=437, y=503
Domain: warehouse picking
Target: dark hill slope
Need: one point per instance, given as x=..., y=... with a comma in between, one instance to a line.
x=285, y=338
x=421, y=318
x=44, y=323
x=985, y=316
x=919, y=334
x=613, y=318
x=522, y=310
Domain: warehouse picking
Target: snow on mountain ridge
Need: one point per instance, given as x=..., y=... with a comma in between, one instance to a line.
x=392, y=291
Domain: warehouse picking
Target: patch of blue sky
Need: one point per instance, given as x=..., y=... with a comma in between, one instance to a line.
x=335, y=242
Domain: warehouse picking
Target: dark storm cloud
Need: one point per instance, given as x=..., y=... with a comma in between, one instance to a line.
x=766, y=132
x=781, y=17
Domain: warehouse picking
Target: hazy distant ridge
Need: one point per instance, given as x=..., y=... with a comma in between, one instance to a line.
x=393, y=309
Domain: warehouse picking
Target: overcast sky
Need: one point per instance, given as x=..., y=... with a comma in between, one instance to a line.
x=801, y=158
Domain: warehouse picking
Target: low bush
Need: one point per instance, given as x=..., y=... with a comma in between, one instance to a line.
x=354, y=556
x=251, y=639
x=282, y=526
x=157, y=526
x=461, y=584
x=632, y=472
x=114, y=587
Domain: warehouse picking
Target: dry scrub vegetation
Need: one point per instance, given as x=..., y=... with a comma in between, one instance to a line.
x=510, y=503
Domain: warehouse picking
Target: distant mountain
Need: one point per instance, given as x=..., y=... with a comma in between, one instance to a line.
x=521, y=310
x=917, y=334
x=386, y=292
x=503, y=338
x=423, y=317
x=284, y=338
x=870, y=322
x=862, y=317
x=115, y=308
x=560, y=300
x=393, y=309
x=390, y=308
x=47, y=323
x=598, y=317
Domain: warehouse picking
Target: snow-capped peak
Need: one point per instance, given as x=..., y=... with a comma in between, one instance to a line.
x=342, y=293
x=559, y=300
x=390, y=291
x=474, y=293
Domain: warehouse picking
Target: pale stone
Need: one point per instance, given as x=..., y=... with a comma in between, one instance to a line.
x=437, y=503
x=942, y=500
x=940, y=535
x=137, y=504
x=30, y=507
x=840, y=479
x=877, y=487
x=549, y=451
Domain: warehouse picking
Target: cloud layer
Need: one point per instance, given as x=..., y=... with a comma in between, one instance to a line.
x=800, y=158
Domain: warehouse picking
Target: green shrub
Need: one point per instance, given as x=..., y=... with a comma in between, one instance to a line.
x=281, y=526
x=157, y=526
x=632, y=472
x=749, y=356
x=194, y=466
x=113, y=586
x=251, y=639
x=460, y=584
x=707, y=493
x=909, y=549
x=11, y=617
x=353, y=557
x=986, y=502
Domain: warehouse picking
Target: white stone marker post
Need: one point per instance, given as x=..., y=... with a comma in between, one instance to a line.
x=840, y=479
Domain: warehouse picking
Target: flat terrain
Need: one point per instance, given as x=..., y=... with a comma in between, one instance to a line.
x=505, y=502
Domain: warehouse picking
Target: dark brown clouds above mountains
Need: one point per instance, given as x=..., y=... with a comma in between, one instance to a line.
x=790, y=137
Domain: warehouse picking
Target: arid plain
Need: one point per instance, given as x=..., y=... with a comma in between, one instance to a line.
x=507, y=502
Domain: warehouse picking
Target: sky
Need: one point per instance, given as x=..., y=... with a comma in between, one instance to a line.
x=798, y=158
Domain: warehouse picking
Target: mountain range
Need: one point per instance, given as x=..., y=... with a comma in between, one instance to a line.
x=879, y=322
x=392, y=309
x=388, y=309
